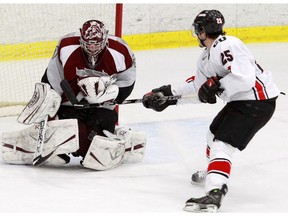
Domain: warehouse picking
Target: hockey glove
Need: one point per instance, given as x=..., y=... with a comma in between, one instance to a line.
x=208, y=91
x=155, y=100
x=98, y=89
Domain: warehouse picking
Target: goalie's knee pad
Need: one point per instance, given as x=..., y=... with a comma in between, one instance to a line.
x=104, y=153
x=58, y=160
x=61, y=138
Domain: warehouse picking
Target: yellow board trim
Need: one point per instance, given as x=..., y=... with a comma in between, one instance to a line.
x=161, y=40
x=27, y=51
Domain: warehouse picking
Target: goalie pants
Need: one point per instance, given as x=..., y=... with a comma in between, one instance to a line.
x=91, y=122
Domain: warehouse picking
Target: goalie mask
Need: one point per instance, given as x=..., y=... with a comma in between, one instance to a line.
x=93, y=39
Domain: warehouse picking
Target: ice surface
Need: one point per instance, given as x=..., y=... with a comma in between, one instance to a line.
x=175, y=149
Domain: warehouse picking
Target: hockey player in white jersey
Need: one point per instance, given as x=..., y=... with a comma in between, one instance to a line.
x=226, y=69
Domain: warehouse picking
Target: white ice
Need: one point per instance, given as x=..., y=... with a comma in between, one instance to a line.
x=175, y=149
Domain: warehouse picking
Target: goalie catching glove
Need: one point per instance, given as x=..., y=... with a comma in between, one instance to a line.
x=156, y=99
x=98, y=89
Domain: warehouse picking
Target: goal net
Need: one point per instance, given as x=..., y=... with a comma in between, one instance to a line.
x=29, y=34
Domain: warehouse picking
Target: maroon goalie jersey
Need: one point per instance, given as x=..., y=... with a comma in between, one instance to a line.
x=115, y=58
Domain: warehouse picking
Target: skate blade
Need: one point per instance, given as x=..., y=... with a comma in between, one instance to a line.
x=194, y=207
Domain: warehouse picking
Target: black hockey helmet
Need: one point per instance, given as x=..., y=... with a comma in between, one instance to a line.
x=210, y=21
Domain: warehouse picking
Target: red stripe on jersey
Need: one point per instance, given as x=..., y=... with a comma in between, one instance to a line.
x=190, y=79
x=74, y=40
x=116, y=45
x=208, y=152
x=260, y=90
x=220, y=166
x=107, y=64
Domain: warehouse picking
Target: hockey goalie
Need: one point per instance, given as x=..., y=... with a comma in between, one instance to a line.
x=99, y=68
x=101, y=150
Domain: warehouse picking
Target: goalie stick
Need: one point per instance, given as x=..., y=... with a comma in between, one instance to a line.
x=72, y=98
x=38, y=159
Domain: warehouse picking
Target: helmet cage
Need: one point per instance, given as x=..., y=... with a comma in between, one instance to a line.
x=196, y=29
x=93, y=48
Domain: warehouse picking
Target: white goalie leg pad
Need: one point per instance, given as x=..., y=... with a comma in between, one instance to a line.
x=57, y=160
x=45, y=101
x=104, y=153
x=61, y=138
x=134, y=146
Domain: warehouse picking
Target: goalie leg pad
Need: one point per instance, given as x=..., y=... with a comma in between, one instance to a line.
x=104, y=153
x=61, y=138
x=58, y=160
x=17, y=147
x=134, y=146
x=45, y=101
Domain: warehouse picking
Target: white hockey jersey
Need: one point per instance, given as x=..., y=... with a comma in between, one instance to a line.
x=241, y=77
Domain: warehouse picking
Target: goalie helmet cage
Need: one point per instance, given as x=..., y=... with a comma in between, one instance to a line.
x=30, y=33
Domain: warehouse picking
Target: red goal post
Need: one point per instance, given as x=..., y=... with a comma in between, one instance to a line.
x=118, y=32
x=118, y=20
x=30, y=33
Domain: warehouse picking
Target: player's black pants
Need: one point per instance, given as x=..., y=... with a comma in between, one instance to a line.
x=239, y=121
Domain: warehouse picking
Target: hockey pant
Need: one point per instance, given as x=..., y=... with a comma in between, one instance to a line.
x=91, y=122
x=233, y=128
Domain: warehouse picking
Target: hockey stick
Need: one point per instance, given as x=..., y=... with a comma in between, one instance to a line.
x=72, y=98
x=38, y=159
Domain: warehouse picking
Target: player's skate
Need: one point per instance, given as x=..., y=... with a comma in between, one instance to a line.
x=198, y=177
x=209, y=203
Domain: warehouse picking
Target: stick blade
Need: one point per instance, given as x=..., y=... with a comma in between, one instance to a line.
x=39, y=160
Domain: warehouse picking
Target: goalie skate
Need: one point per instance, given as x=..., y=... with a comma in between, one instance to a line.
x=209, y=203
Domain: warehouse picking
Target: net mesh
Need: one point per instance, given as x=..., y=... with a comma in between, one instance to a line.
x=29, y=34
